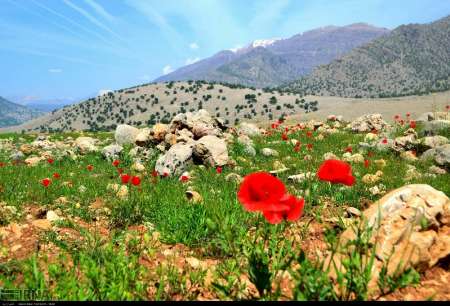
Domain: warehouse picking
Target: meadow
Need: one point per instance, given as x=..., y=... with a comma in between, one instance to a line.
x=172, y=238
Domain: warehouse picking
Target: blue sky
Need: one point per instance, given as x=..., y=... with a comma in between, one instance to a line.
x=72, y=49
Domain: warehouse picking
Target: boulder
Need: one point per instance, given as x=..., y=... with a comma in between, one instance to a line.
x=431, y=142
x=435, y=126
x=159, y=132
x=175, y=160
x=211, y=150
x=368, y=123
x=85, y=145
x=143, y=137
x=249, y=129
x=410, y=227
x=125, y=134
x=441, y=155
x=112, y=151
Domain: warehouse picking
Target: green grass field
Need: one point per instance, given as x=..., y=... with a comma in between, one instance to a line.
x=156, y=244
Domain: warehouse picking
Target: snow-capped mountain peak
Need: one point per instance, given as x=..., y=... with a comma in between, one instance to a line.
x=263, y=42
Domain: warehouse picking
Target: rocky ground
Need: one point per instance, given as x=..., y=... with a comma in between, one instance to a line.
x=152, y=214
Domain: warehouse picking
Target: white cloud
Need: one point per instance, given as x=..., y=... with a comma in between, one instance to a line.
x=190, y=61
x=167, y=69
x=102, y=92
x=193, y=46
x=55, y=70
x=100, y=10
x=237, y=47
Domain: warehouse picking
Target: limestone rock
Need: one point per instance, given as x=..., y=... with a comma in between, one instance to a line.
x=368, y=123
x=248, y=129
x=211, y=150
x=112, y=151
x=85, y=145
x=269, y=152
x=410, y=227
x=125, y=134
x=175, y=160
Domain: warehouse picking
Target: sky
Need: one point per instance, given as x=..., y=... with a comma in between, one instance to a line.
x=74, y=49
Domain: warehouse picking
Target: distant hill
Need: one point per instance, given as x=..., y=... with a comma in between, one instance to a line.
x=266, y=63
x=151, y=103
x=14, y=114
x=412, y=59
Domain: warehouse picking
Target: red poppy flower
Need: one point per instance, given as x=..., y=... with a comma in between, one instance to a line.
x=219, y=170
x=293, y=211
x=50, y=161
x=309, y=146
x=154, y=173
x=46, y=182
x=125, y=178
x=284, y=136
x=309, y=134
x=402, y=122
x=349, y=149
x=366, y=163
x=90, y=167
x=336, y=172
x=120, y=170
x=297, y=147
x=396, y=117
x=374, y=131
x=384, y=141
x=447, y=107
x=412, y=124
x=184, y=178
x=408, y=114
x=116, y=163
x=2, y=164
x=370, y=154
x=136, y=180
x=56, y=175
x=261, y=191
x=165, y=174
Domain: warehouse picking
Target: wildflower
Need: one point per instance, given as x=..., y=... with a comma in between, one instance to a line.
x=447, y=107
x=292, y=213
x=284, y=136
x=366, y=163
x=56, y=175
x=2, y=164
x=125, y=178
x=165, y=174
x=135, y=180
x=309, y=146
x=46, y=182
x=396, y=117
x=408, y=115
x=309, y=134
x=349, y=149
x=116, y=163
x=184, y=178
x=297, y=147
x=90, y=167
x=336, y=172
x=120, y=170
x=384, y=141
x=402, y=122
x=370, y=154
x=412, y=124
x=219, y=170
x=50, y=161
x=261, y=191
x=154, y=173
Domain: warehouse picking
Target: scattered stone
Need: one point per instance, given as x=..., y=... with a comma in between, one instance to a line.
x=368, y=123
x=437, y=170
x=409, y=156
x=441, y=155
x=32, y=161
x=42, y=224
x=371, y=137
x=248, y=129
x=330, y=155
x=143, y=137
x=380, y=163
x=299, y=178
x=277, y=165
x=269, y=152
x=194, y=196
x=431, y=142
x=85, y=145
x=355, y=158
x=112, y=151
x=52, y=216
x=138, y=166
x=122, y=192
x=353, y=211
x=234, y=177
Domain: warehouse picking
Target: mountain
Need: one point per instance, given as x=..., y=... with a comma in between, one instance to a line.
x=14, y=114
x=48, y=105
x=266, y=63
x=150, y=103
x=412, y=59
